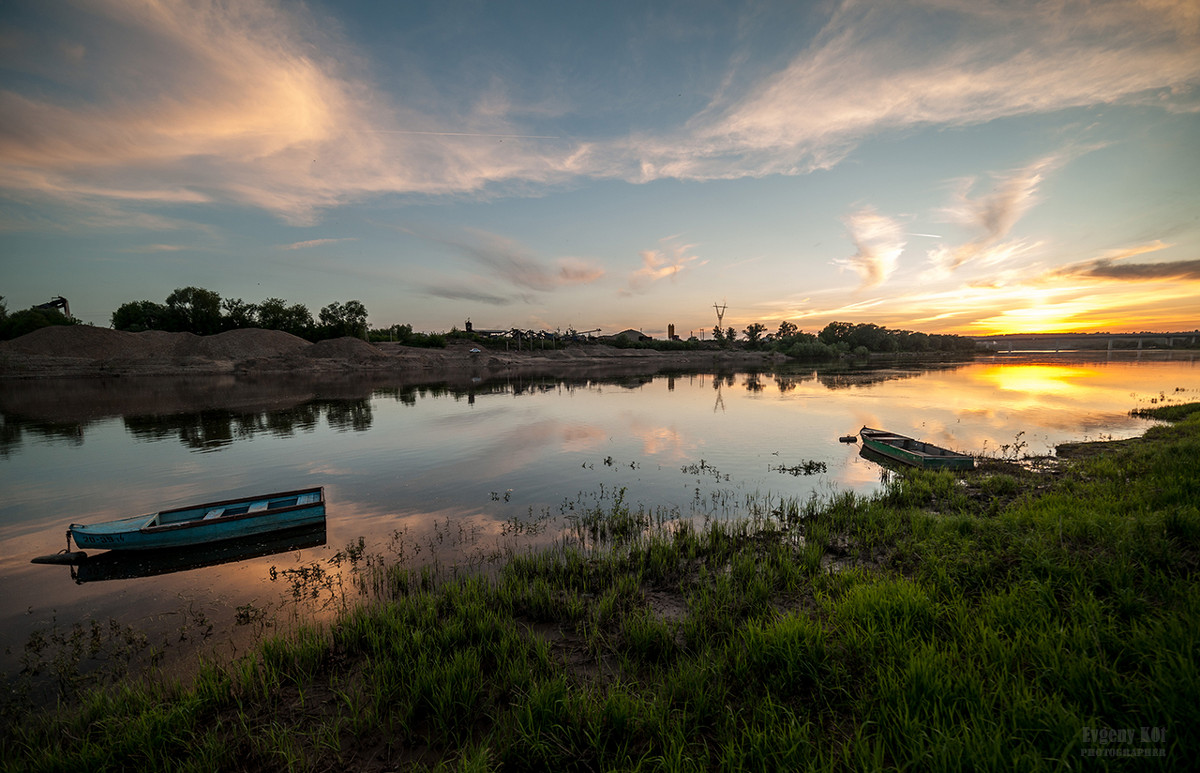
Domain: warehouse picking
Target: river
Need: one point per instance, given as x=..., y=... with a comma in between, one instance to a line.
x=449, y=472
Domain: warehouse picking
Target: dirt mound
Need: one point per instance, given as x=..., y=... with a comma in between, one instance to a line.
x=352, y=349
x=159, y=344
x=248, y=343
x=99, y=343
x=94, y=343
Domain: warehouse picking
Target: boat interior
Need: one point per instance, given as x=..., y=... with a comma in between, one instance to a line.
x=913, y=446
x=212, y=512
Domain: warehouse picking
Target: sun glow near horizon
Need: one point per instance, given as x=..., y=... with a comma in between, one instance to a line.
x=1110, y=307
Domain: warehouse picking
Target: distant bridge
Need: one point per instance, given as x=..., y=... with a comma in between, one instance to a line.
x=1043, y=341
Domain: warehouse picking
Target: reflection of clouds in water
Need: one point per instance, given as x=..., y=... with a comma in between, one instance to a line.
x=448, y=536
x=858, y=474
x=516, y=448
x=582, y=437
x=659, y=440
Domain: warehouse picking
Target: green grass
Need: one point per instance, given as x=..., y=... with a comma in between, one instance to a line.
x=990, y=623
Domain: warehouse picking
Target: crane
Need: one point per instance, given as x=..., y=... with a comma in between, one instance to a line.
x=59, y=303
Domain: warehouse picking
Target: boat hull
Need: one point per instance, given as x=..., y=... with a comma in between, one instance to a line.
x=206, y=523
x=914, y=453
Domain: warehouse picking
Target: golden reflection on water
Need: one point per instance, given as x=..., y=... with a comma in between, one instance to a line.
x=1040, y=379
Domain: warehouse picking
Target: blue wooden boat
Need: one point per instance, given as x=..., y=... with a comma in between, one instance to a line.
x=915, y=453
x=202, y=524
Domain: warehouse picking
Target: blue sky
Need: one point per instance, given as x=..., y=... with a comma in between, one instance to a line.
x=949, y=165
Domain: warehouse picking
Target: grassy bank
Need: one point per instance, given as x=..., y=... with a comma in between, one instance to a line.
x=1009, y=621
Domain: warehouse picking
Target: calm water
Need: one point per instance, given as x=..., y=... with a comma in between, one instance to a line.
x=436, y=463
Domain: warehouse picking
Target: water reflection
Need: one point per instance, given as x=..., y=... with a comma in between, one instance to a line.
x=1039, y=379
x=126, y=565
x=478, y=454
x=214, y=429
x=211, y=413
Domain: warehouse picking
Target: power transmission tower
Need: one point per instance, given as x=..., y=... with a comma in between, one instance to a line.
x=720, y=314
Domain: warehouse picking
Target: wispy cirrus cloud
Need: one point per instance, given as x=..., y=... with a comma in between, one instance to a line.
x=459, y=293
x=262, y=103
x=665, y=262
x=879, y=240
x=510, y=262
x=879, y=67
x=992, y=215
x=315, y=243
x=151, y=248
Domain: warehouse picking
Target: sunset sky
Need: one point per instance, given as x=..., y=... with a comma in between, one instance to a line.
x=949, y=166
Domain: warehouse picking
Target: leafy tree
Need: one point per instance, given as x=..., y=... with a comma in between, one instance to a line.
x=913, y=342
x=238, y=314
x=195, y=310
x=136, y=316
x=872, y=338
x=811, y=350
x=754, y=334
x=786, y=330
x=275, y=314
x=835, y=333
x=344, y=319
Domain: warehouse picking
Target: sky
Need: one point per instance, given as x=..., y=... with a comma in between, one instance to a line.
x=960, y=166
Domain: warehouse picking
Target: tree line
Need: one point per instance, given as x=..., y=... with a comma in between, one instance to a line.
x=204, y=312
x=835, y=340
x=841, y=338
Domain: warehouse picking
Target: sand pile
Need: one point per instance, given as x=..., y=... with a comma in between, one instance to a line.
x=95, y=343
x=350, y=349
x=85, y=350
x=249, y=343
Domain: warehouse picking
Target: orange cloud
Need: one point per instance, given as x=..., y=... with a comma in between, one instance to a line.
x=664, y=263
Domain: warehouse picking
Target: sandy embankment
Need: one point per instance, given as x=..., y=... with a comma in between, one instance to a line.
x=83, y=351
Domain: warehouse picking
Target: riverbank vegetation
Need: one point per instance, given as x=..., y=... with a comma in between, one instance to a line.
x=1011, y=619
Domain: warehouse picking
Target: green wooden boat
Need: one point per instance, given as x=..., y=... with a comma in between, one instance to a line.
x=915, y=453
